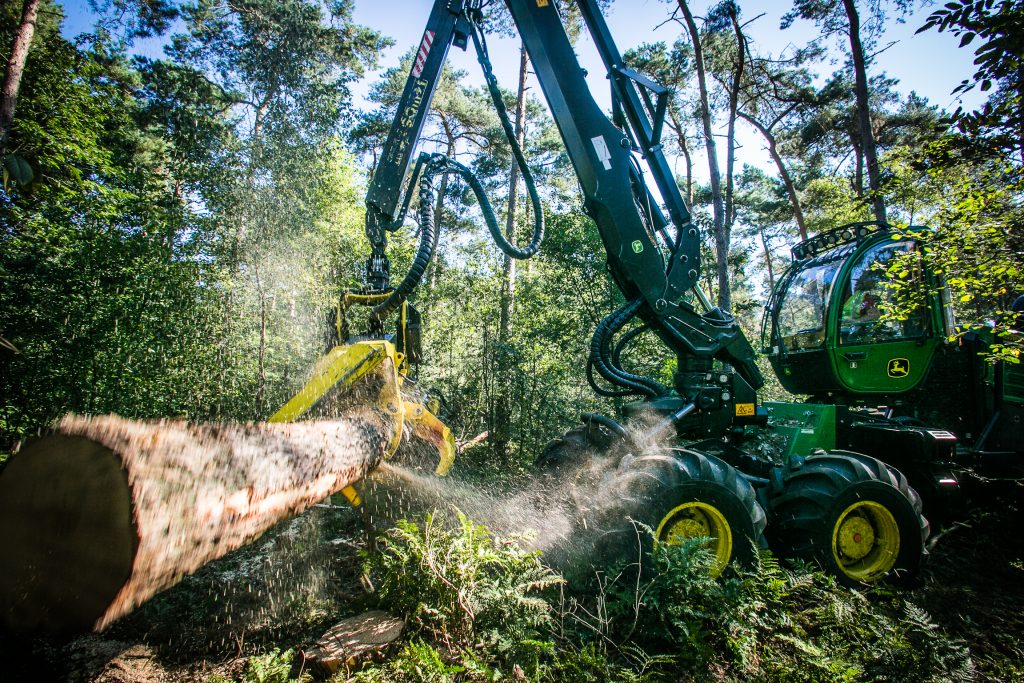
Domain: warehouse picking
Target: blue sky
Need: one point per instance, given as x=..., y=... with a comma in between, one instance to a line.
x=930, y=63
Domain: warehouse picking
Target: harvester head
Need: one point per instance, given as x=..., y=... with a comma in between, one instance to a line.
x=374, y=373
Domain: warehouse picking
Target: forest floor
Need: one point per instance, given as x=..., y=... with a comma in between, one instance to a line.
x=295, y=582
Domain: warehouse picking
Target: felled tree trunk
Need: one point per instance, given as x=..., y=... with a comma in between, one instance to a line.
x=103, y=513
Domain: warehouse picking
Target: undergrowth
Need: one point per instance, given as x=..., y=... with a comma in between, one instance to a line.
x=474, y=604
x=769, y=624
x=481, y=609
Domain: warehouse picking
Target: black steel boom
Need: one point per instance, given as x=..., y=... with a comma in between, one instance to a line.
x=654, y=260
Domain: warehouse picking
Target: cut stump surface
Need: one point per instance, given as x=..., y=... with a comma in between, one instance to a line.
x=351, y=638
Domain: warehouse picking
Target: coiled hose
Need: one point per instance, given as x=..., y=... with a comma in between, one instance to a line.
x=601, y=356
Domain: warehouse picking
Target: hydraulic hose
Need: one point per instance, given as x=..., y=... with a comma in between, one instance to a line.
x=436, y=164
x=601, y=391
x=432, y=166
x=499, y=105
x=621, y=345
x=600, y=353
x=616, y=363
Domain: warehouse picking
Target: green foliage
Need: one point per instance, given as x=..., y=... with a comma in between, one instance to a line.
x=475, y=614
x=1000, y=28
x=164, y=261
x=272, y=667
x=16, y=169
x=465, y=589
x=420, y=662
x=773, y=624
x=974, y=246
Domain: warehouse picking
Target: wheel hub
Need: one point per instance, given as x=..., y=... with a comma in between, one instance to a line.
x=856, y=537
x=866, y=541
x=698, y=520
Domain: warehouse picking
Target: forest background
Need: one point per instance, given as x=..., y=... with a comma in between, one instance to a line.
x=181, y=203
x=173, y=226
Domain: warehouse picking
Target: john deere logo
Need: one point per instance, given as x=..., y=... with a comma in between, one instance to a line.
x=638, y=246
x=898, y=367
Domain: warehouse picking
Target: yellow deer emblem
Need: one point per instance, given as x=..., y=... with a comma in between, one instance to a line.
x=898, y=367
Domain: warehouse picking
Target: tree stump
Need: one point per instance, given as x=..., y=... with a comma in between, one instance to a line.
x=354, y=637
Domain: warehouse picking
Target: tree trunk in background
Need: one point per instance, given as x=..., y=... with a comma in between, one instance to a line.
x=439, y=206
x=768, y=260
x=787, y=179
x=15, y=67
x=734, y=101
x=509, y=282
x=717, y=203
x=503, y=409
x=864, y=112
x=684, y=147
x=858, y=169
x=261, y=370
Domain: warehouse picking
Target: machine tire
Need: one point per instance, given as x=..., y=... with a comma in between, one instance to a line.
x=577, y=447
x=853, y=515
x=572, y=466
x=570, y=450
x=683, y=494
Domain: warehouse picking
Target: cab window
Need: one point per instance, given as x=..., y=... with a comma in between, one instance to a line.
x=865, y=295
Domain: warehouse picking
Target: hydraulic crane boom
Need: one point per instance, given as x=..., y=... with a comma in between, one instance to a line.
x=653, y=259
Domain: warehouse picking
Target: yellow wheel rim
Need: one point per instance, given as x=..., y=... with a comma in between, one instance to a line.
x=866, y=541
x=698, y=520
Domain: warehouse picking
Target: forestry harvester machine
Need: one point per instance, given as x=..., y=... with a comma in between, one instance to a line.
x=893, y=410
x=103, y=513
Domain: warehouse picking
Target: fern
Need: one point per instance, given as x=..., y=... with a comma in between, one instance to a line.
x=466, y=590
x=273, y=667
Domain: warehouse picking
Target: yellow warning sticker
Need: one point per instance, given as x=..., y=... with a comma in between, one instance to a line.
x=744, y=409
x=542, y=3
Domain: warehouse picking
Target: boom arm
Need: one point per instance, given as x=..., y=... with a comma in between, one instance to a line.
x=654, y=261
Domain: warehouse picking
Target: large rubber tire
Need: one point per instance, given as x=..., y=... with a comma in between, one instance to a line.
x=570, y=450
x=577, y=447
x=684, y=494
x=570, y=469
x=852, y=515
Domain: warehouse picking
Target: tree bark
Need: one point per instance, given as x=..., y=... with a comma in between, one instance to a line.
x=102, y=514
x=439, y=205
x=684, y=147
x=15, y=68
x=717, y=202
x=509, y=282
x=864, y=112
x=787, y=179
x=734, y=100
x=768, y=260
x=261, y=374
x=503, y=408
x=858, y=168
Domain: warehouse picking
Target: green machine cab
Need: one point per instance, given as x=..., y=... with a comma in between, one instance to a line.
x=824, y=332
x=898, y=390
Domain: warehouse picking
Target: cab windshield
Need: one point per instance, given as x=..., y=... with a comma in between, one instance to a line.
x=867, y=294
x=801, y=318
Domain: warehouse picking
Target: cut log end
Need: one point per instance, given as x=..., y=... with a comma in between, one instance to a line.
x=355, y=637
x=67, y=533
